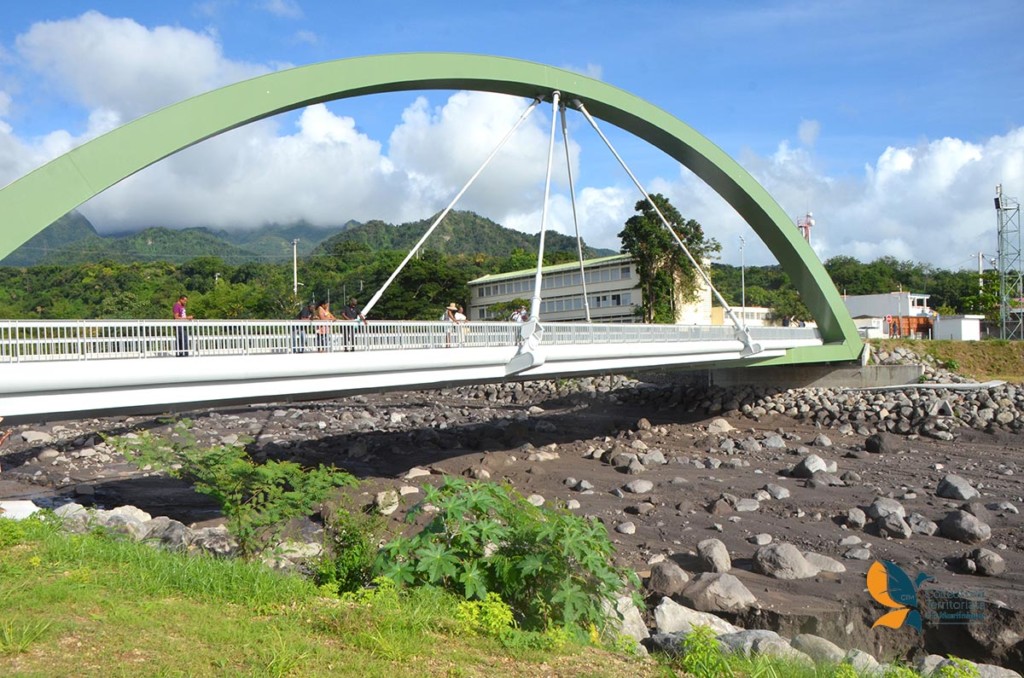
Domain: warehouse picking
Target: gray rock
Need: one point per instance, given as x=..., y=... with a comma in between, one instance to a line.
x=386, y=502
x=168, y=533
x=783, y=561
x=625, y=618
x=626, y=528
x=121, y=523
x=774, y=442
x=856, y=518
x=956, y=487
x=777, y=491
x=881, y=443
x=822, y=651
x=714, y=556
x=671, y=617
x=808, y=466
x=920, y=524
x=858, y=553
x=862, y=662
x=892, y=525
x=717, y=592
x=639, y=486
x=667, y=578
x=824, y=563
x=963, y=527
x=216, y=541
x=822, y=440
x=742, y=642
x=883, y=506
x=747, y=505
x=761, y=539
x=36, y=437
x=988, y=563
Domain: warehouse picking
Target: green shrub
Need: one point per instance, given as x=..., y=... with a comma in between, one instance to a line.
x=957, y=668
x=257, y=499
x=552, y=568
x=12, y=532
x=487, y=617
x=702, y=656
x=347, y=563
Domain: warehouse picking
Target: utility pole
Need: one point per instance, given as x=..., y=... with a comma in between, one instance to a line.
x=743, y=281
x=295, y=267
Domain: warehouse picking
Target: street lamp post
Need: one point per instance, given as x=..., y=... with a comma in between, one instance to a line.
x=295, y=267
x=743, y=281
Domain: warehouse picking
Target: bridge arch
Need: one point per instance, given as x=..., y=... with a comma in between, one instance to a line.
x=39, y=198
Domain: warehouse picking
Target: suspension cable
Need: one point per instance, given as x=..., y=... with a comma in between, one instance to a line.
x=451, y=205
x=575, y=220
x=707, y=279
x=535, y=305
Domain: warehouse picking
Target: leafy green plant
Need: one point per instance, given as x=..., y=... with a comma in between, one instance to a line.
x=347, y=563
x=900, y=671
x=257, y=499
x=957, y=668
x=844, y=671
x=551, y=567
x=11, y=532
x=702, y=656
x=487, y=617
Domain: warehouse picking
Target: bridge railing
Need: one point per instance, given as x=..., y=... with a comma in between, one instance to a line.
x=41, y=340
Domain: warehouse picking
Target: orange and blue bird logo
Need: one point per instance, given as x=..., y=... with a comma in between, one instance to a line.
x=889, y=585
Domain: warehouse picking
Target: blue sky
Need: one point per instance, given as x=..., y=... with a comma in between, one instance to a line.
x=892, y=121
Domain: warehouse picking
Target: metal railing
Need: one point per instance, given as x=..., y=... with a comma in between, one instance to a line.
x=35, y=340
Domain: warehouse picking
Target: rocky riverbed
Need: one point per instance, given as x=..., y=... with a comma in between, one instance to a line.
x=765, y=507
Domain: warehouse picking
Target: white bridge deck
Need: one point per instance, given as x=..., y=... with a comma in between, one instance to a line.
x=50, y=369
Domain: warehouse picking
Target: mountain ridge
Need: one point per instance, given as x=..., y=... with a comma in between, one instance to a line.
x=73, y=239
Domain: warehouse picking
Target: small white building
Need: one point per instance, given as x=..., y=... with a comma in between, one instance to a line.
x=958, y=327
x=904, y=314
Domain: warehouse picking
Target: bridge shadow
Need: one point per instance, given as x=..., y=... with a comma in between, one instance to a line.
x=367, y=454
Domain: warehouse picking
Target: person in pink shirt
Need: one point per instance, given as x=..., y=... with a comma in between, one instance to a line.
x=181, y=332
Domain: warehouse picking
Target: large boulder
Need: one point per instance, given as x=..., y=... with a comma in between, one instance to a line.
x=667, y=578
x=783, y=561
x=718, y=592
x=671, y=617
x=714, y=556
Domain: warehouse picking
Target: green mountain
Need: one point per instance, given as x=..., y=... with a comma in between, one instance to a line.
x=459, y=233
x=64, y=234
x=73, y=240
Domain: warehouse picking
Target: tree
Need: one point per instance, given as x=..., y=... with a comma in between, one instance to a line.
x=667, y=276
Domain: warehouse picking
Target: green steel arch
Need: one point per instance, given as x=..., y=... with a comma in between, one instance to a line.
x=34, y=201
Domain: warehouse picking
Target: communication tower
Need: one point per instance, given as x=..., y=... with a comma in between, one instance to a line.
x=1011, y=282
x=805, y=224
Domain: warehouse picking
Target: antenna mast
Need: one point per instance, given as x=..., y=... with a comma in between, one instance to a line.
x=1011, y=284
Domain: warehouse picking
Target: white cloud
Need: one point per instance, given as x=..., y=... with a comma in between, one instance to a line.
x=928, y=203
x=931, y=202
x=121, y=65
x=808, y=132
x=288, y=9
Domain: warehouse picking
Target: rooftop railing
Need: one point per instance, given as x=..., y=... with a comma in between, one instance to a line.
x=35, y=340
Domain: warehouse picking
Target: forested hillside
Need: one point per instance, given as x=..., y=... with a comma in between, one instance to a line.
x=140, y=275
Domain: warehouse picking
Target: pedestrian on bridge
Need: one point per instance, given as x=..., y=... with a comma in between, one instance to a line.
x=306, y=314
x=355, y=314
x=323, y=314
x=181, y=332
